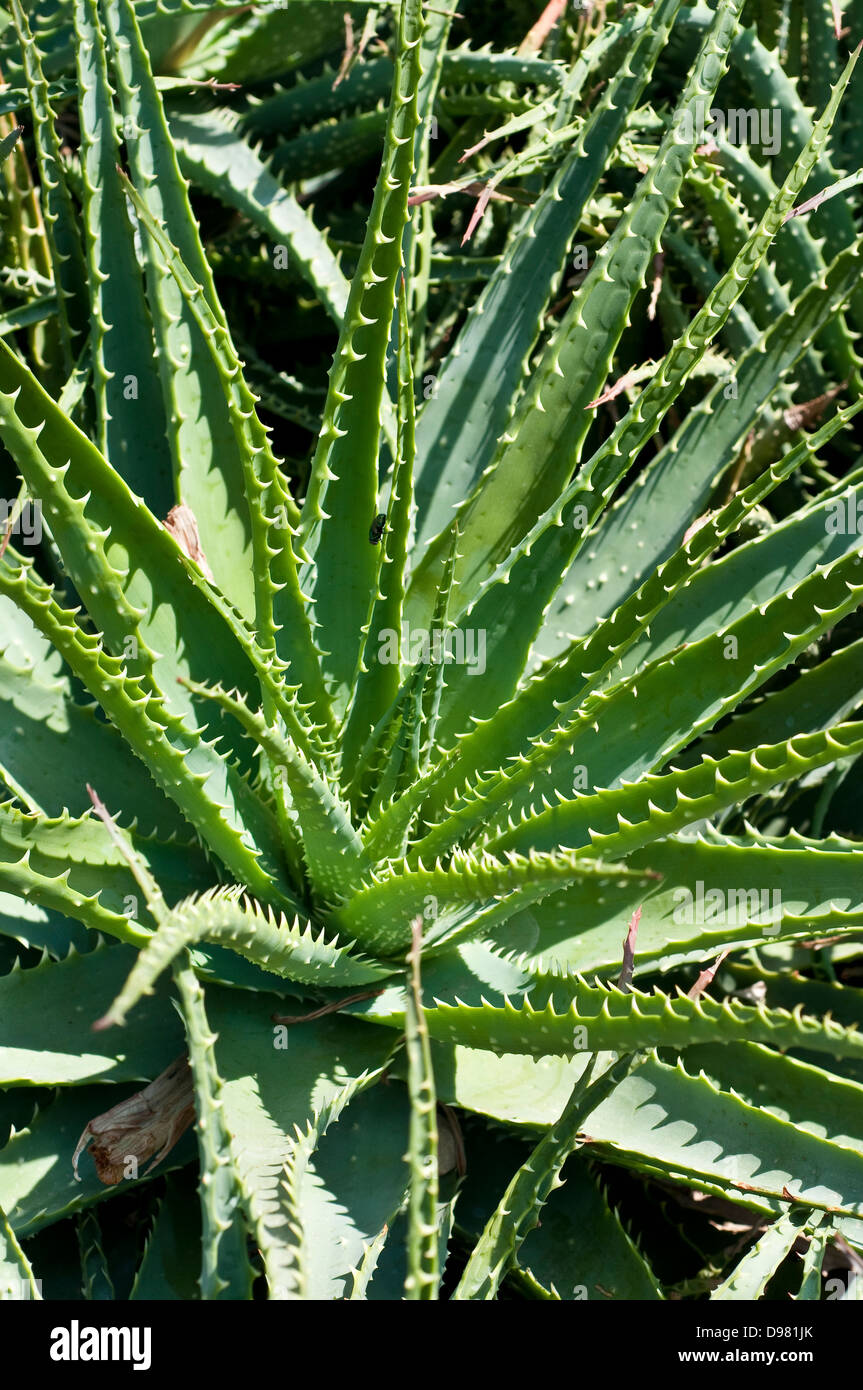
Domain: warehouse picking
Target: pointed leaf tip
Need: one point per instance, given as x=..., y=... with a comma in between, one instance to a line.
x=624, y=979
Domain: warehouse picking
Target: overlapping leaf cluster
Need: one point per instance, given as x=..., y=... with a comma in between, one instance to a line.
x=534, y=620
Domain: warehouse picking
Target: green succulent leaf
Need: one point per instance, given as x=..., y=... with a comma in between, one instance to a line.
x=131, y=418
x=423, y=1278
x=751, y=1276
x=16, y=1274
x=523, y=1200
x=270, y=941
x=47, y=1017
x=226, y=1272
x=344, y=481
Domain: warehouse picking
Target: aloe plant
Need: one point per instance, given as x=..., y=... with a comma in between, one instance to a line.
x=427, y=787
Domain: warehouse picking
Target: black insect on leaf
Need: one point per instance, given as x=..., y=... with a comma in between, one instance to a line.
x=377, y=528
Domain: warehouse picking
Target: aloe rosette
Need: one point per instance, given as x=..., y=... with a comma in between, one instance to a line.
x=358, y=819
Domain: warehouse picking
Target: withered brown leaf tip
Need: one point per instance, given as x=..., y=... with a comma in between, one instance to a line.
x=182, y=525
x=130, y=1132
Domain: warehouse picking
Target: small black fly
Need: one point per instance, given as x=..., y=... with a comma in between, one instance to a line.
x=377, y=528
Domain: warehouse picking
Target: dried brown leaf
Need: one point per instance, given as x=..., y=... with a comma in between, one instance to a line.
x=150, y=1120
x=182, y=525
